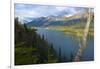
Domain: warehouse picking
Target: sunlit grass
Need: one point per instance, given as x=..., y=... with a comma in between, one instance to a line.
x=73, y=30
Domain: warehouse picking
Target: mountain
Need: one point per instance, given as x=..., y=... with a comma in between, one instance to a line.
x=59, y=20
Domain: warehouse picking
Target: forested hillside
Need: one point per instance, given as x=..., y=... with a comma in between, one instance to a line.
x=30, y=48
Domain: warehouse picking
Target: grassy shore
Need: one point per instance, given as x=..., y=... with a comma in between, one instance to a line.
x=73, y=30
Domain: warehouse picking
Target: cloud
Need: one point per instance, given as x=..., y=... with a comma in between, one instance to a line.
x=60, y=8
x=26, y=13
x=29, y=10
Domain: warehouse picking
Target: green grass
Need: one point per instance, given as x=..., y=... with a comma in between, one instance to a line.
x=73, y=30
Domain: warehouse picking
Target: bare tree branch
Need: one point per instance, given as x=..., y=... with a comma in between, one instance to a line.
x=84, y=38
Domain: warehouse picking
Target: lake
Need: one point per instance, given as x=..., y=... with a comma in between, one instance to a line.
x=67, y=45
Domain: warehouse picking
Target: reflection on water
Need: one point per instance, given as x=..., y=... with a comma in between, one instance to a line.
x=66, y=46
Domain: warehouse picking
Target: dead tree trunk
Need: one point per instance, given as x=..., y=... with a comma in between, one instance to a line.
x=84, y=38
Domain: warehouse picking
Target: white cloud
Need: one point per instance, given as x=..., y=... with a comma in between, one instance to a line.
x=60, y=8
x=26, y=13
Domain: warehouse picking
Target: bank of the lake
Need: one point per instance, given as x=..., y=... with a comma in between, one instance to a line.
x=72, y=30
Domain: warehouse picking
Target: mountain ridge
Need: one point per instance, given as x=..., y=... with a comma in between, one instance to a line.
x=56, y=20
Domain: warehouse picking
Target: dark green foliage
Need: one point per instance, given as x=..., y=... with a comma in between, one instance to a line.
x=30, y=48
x=72, y=57
x=59, y=54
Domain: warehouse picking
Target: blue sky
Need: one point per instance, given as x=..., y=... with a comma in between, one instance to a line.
x=33, y=11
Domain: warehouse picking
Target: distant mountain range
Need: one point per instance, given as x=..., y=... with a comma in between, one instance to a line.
x=58, y=20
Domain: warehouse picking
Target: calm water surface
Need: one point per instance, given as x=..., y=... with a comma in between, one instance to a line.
x=67, y=44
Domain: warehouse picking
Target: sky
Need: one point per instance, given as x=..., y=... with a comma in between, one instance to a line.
x=34, y=11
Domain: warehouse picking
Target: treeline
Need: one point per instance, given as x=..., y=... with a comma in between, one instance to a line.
x=30, y=48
